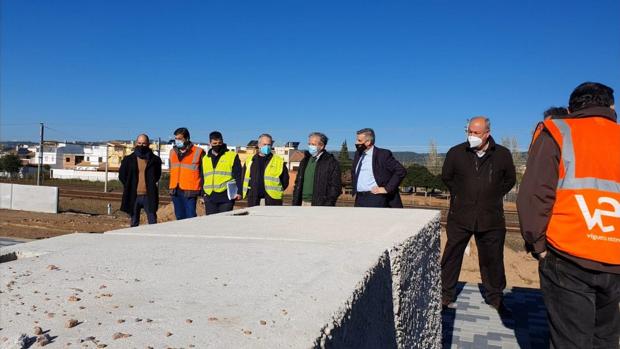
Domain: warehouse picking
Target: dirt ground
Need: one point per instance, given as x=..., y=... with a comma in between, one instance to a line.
x=89, y=216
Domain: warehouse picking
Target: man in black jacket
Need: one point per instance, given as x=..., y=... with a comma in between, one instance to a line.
x=478, y=174
x=139, y=172
x=318, y=181
x=376, y=173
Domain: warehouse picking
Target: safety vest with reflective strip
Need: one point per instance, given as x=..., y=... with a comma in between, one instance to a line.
x=215, y=180
x=273, y=187
x=539, y=127
x=185, y=174
x=585, y=221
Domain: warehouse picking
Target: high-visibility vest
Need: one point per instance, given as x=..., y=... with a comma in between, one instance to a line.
x=215, y=180
x=539, y=128
x=274, y=168
x=585, y=220
x=185, y=174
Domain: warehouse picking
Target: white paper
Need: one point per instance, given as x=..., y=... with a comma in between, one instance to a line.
x=231, y=188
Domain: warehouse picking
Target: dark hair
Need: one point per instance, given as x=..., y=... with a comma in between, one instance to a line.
x=555, y=112
x=369, y=133
x=216, y=135
x=182, y=131
x=590, y=94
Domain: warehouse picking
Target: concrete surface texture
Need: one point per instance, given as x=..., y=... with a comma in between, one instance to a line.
x=266, y=277
x=29, y=198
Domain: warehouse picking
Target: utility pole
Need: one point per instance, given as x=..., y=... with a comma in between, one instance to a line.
x=158, y=154
x=105, y=186
x=40, y=166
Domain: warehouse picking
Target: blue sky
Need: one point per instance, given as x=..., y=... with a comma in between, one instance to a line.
x=412, y=70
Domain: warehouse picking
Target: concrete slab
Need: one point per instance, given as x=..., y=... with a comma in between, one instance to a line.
x=274, y=277
x=34, y=198
x=6, y=190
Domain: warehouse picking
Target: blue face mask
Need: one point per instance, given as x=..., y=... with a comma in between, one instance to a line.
x=313, y=150
x=178, y=143
x=265, y=149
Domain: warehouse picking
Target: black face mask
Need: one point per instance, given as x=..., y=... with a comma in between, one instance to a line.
x=142, y=151
x=217, y=148
x=360, y=147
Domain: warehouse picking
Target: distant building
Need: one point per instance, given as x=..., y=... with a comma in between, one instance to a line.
x=53, y=153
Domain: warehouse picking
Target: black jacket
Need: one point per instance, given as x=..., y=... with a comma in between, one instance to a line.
x=478, y=185
x=327, y=181
x=388, y=172
x=128, y=175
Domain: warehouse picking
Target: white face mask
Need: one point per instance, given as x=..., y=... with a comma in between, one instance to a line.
x=474, y=142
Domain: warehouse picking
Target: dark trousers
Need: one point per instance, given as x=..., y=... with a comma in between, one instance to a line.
x=218, y=207
x=141, y=204
x=184, y=207
x=490, y=258
x=368, y=199
x=254, y=200
x=583, y=306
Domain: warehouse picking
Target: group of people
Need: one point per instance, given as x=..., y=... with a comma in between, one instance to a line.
x=568, y=202
x=218, y=177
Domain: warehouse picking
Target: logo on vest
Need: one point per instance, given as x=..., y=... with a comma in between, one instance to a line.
x=597, y=217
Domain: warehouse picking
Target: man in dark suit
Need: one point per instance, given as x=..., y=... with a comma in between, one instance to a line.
x=376, y=173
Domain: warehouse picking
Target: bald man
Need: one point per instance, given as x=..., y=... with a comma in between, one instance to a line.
x=139, y=172
x=478, y=174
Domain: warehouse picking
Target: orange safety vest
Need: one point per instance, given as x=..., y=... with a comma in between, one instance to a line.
x=585, y=221
x=539, y=128
x=185, y=174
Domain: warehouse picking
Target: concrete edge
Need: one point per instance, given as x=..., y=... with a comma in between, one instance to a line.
x=417, y=289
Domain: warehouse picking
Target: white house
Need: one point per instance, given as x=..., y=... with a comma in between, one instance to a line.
x=53, y=153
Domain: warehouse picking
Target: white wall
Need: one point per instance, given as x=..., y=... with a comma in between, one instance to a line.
x=94, y=176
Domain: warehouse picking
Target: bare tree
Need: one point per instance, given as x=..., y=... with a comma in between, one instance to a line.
x=433, y=160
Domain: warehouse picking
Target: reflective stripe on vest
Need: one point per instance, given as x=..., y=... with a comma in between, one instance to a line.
x=585, y=221
x=216, y=180
x=274, y=168
x=185, y=174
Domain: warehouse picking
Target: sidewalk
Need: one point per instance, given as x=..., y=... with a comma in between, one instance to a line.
x=474, y=324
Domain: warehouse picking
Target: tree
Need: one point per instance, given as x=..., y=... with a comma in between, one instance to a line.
x=433, y=160
x=10, y=163
x=345, y=164
x=513, y=145
x=419, y=176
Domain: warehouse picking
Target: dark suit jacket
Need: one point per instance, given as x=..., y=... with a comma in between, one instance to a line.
x=388, y=173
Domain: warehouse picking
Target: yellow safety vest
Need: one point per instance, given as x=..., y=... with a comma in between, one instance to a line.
x=273, y=187
x=215, y=180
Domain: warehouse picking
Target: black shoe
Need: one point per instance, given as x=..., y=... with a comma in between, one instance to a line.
x=502, y=309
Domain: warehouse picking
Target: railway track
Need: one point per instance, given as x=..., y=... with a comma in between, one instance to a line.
x=512, y=219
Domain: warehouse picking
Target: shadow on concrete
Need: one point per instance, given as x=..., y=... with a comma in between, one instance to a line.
x=448, y=316
x=529, y=317
x=370, y=319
